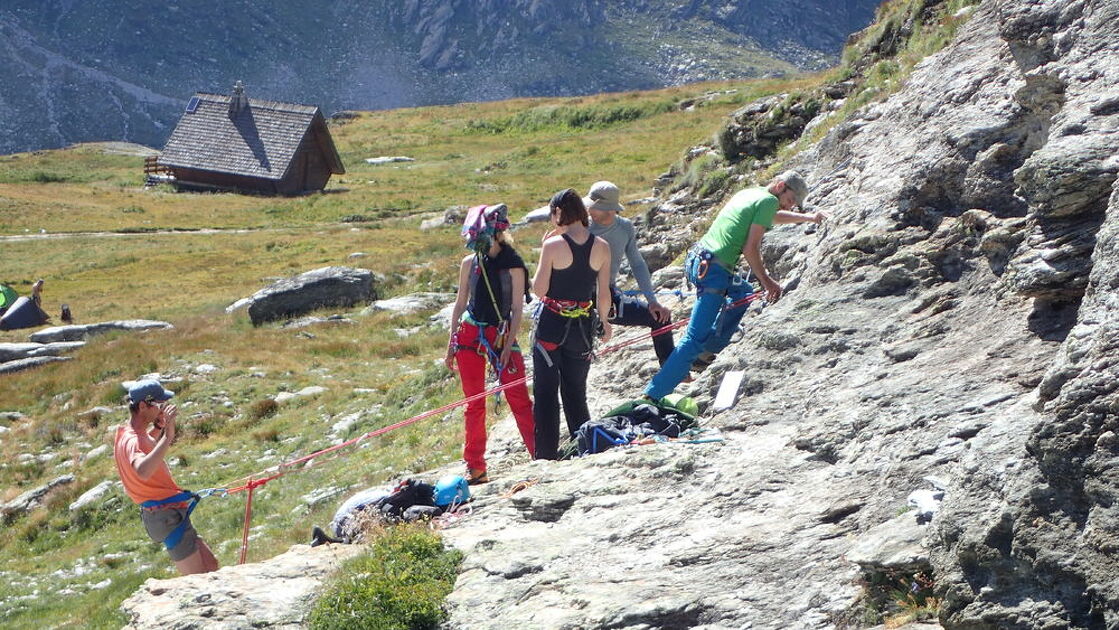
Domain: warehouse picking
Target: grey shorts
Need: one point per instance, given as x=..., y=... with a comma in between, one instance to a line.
x=160, y=523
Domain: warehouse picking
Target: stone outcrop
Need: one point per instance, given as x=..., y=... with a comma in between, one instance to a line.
x=16, y=357
x=277, y=594
x=33, y=498
x=19, y=365
x=412, y=303
x=78, y=332
x=320, y=288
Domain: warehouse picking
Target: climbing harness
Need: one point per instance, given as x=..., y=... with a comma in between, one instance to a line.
x=191, y=499
x=568, y=308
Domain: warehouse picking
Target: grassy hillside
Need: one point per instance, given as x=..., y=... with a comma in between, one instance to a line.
x=183, y=257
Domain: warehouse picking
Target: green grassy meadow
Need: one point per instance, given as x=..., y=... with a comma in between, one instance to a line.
x=80, y=219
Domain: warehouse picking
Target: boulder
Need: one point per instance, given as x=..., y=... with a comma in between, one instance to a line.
x=388, y=159
x=328, y=286
x=93, y=495
x=77, y=332
x=20, y=365
x=14, y=351
x=32, y=498
x=453, y=215
x=276, y=593
x=412, y=303
x=305, y=322
x=307, y=392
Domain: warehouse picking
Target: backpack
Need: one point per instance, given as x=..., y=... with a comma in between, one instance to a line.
x=596, y=436
x=407, y=493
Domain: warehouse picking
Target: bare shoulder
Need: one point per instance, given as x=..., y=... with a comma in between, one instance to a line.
x=553, y=242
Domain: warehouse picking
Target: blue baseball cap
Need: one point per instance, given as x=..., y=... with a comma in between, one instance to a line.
x=147, y=390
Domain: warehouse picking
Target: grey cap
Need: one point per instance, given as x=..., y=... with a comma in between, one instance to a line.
x=796, y=183
x=603, y=196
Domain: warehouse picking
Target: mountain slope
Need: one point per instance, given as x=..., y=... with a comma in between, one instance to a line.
x=97, y=70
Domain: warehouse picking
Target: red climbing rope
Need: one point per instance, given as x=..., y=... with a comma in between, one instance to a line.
x=256, y=480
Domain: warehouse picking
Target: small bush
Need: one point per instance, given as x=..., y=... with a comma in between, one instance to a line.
x=263, y=408
x=44, y=177
x=399, y=585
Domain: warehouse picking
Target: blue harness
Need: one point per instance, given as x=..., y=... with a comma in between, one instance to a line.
x=176, y=535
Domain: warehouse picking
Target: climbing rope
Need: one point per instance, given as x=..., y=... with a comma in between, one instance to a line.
x=250, y=483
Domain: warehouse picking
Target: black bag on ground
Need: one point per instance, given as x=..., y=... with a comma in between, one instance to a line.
x=407, y=494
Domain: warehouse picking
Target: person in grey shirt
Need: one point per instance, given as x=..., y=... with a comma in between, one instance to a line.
x=603, y=206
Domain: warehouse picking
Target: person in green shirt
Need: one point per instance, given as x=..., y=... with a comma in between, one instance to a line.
x=710, y=265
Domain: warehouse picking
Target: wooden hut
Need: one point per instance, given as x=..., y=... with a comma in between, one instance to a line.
x=237, y=143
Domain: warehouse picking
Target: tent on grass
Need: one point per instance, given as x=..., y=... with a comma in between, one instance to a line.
x=23, y=313
x=8, y=296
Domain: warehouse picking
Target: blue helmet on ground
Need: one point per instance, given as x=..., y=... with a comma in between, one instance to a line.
x=451, y=489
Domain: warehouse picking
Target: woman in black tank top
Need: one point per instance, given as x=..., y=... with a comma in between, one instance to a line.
x=561, y=354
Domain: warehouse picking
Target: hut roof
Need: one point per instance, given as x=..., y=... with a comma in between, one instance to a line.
x=255, y=141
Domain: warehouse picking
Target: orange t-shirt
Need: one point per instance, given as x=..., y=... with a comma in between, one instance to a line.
x=129, y=447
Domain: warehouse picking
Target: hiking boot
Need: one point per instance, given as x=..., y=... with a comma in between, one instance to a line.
x=476, y=477
x=703, y=361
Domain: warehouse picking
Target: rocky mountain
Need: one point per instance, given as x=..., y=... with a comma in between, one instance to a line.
x=98, y=70
x=951, y=328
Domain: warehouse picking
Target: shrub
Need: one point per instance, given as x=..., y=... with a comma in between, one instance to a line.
x=399, y=585
x=263, y=408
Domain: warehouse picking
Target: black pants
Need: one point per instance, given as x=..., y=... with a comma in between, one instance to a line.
x=631, y=311
x=560, y=374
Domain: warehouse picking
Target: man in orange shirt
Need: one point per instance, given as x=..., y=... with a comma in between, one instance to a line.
x=139, y=450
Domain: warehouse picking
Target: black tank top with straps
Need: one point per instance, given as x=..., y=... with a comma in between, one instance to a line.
x=576, y=281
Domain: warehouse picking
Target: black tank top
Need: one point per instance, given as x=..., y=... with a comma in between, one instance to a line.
x=576, y=281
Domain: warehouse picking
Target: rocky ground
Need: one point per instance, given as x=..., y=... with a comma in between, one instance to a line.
x=953, y=323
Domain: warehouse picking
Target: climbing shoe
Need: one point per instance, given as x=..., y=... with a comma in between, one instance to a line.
x=703, y=361
x=476, y=477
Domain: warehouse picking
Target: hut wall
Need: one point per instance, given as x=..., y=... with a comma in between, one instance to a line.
x=197, y=178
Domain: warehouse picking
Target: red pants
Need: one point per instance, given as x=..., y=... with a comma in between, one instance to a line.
x=472, y=366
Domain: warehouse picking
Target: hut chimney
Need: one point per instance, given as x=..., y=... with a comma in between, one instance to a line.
x=238, y=101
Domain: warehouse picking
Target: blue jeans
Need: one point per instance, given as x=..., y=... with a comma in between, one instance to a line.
x=712, y=324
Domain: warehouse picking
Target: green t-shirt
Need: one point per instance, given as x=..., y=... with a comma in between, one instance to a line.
x=727, y=235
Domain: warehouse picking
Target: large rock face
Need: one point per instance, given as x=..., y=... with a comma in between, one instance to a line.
x=328, y=286
x=953, y=319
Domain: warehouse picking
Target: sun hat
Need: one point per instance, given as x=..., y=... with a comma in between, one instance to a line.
x=603, y=196
x=481, y=225
x=147, y=390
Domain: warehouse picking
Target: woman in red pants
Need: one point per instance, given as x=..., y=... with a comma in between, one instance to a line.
x=491, y=293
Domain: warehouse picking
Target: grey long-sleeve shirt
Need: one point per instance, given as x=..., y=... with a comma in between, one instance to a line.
x=623, y=241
